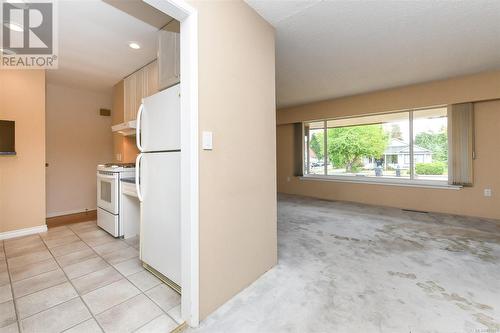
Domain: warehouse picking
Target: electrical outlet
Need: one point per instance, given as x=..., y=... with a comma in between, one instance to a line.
x=288, y=179
x=119, y=157
x=487, y=192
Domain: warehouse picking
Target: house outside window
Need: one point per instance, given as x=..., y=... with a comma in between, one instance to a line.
x=408, y=145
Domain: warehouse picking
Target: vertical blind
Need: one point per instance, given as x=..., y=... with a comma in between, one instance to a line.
x=461, y=143
x=298, y=157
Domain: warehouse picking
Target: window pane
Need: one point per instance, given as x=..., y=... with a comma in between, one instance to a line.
x=430, y=144
x=369, y=146
x=106, y=191
x=314, y=145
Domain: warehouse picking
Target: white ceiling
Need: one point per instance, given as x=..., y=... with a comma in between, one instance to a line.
x=93, y=42
x=327, y=49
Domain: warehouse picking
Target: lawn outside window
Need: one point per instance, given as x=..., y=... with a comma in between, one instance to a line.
x=404, y=147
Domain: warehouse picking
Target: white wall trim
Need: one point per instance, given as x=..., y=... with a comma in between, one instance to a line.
x=188, y=17
x=69, y=212
x=23, y=232
x=383, y=181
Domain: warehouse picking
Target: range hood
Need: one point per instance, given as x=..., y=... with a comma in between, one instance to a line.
x=126, y=128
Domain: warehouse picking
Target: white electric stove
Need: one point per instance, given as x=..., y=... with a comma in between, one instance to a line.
x=117, y=167
x=108, y=195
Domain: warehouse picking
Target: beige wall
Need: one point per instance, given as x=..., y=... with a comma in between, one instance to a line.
x=22, y=177
x=78, y=139
x=482, y=86
x=238, y=177
x=468, y=201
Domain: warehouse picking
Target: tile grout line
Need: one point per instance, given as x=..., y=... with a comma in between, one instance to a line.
x=67, y=329
x=53, y=306
x=165, y=312
x=78, y=294
x=124, y=276
x=140, y=291
x=36, y=274
x=34, y=292
x=18, y=318
x=144, y=293
x=69, y=280
x=154, y=302
x=14, y=303
x=138, y=328
x=47, y=259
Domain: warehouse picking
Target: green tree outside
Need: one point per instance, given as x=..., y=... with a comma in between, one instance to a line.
x=316, y=145
x=348, y=145
x=435, y=142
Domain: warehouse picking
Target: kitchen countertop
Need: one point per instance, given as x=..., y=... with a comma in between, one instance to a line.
x=128, y=180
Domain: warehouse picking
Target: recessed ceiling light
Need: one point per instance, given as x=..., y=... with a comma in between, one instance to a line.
x=14, y=26
x=134, y=45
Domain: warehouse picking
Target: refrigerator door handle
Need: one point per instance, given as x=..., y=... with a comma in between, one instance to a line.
x=138, y=130
x=138, y=176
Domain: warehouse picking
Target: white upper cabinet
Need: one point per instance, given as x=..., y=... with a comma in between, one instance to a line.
x=140, y=84
x=129, y=96
x=169, y=56
x=151, y=79
x=161, y=73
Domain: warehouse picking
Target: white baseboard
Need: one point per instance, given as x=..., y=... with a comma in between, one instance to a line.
x=69, y=212
x=23, y=232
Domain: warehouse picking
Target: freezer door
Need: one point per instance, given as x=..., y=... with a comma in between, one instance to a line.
x=160, y=213
x=160, y=121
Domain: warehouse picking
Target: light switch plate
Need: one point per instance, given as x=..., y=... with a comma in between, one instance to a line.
x=207, y=140
x=487, y=192
x=119, y=157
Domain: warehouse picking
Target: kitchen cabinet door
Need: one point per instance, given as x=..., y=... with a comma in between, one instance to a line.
x=168, y=58
x=140, y=84
x=130, y=97
x=151, y=79
x=140, y=88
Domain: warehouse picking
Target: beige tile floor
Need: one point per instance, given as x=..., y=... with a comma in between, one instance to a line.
x=77, y=278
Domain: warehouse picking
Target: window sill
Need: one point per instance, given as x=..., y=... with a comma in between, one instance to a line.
x=385, y=181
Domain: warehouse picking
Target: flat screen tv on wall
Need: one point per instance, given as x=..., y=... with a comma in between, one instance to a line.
x=7, y=137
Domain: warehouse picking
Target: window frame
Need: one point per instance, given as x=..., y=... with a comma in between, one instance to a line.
x=411, y=181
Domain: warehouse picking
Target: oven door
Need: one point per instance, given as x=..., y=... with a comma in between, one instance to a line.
x=107, y=191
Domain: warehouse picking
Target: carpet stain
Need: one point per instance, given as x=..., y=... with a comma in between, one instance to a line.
x=403, y=275
x=487, y=321
x=456, y=298
x=433, y=289
x=430, y=287
x=482, y=306
x=344, y=238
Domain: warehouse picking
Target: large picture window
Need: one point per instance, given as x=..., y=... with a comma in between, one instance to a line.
x=407, y=145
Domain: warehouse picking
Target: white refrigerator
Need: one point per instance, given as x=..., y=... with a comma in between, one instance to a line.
x=158, y=182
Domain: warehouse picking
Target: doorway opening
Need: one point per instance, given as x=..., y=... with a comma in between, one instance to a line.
x=126, y=95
